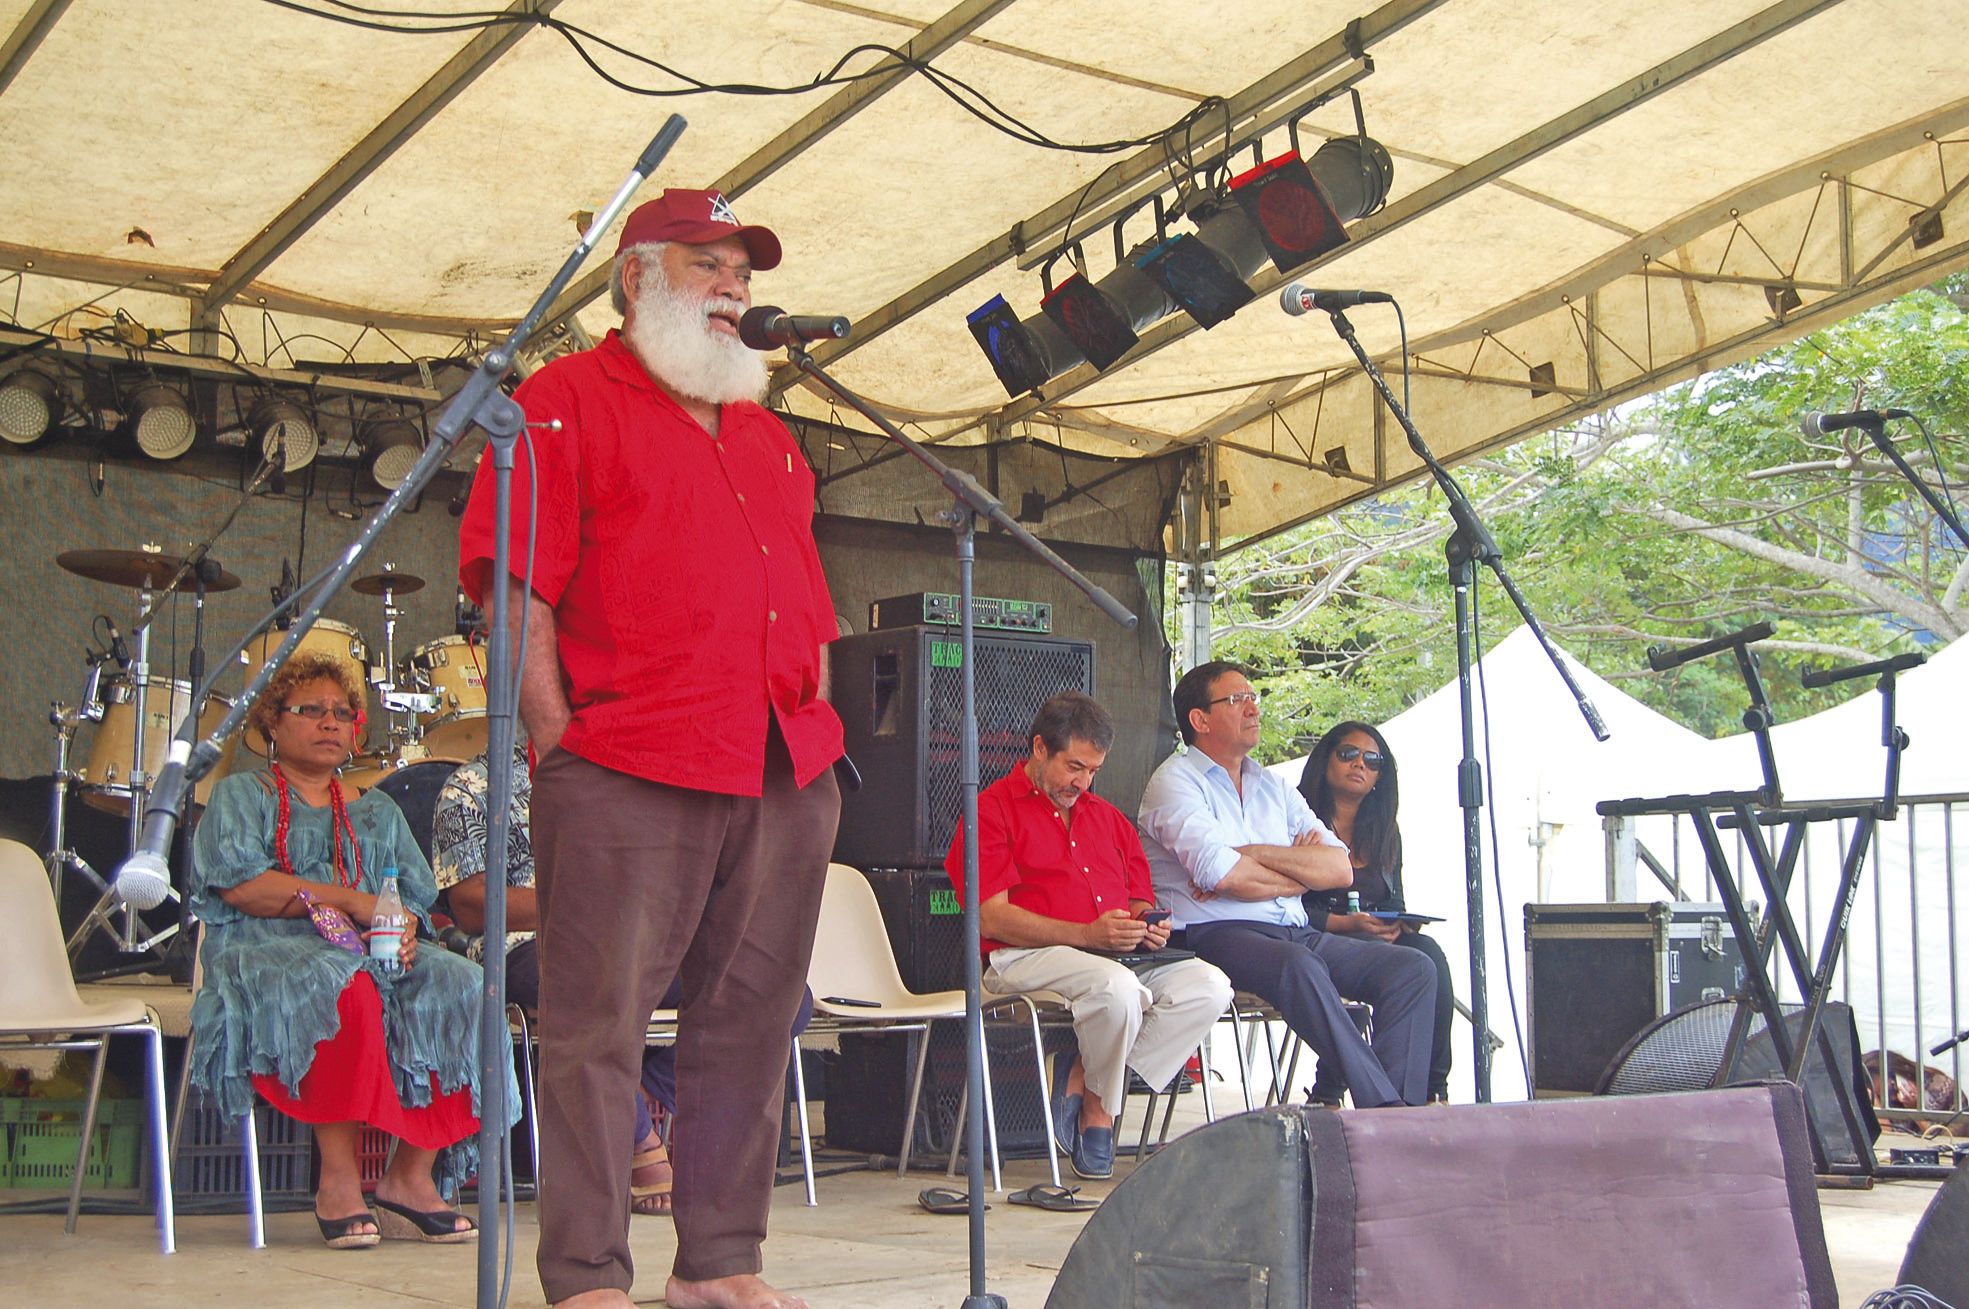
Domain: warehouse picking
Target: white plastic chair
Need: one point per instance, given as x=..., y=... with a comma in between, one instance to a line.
x=852, y=961
x=40, y=1009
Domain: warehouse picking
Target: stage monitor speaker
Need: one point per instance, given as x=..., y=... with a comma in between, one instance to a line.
x=1562, y=1202
x=925, y=924
x=900, y=696
x=1938, y=1255
x=1682, y=1051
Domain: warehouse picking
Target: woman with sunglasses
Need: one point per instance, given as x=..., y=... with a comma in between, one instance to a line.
x=287, y=868
x=1350, y=783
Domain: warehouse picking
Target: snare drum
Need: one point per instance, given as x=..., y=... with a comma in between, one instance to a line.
x=105, y=782
x=336, y=640
x=452, y=669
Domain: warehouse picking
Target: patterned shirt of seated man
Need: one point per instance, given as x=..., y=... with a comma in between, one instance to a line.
x=1063, y=887
x=458, y=846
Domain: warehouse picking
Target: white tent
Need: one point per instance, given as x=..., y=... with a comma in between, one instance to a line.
x=1544, y=773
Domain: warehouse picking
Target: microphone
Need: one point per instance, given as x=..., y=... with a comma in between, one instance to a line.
x=1299, y=298
x=277, y=479
x=118, y=651
x=1817, y=424
x=767, y=327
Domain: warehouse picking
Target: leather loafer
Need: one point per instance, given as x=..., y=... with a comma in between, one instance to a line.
x=1093, y=1155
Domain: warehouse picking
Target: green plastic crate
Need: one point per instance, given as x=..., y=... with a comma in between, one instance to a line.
x=41, y=1136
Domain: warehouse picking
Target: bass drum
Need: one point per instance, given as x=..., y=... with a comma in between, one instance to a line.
x=338, y=641
x=451, y=668
x=412, y=778
x=105, y=781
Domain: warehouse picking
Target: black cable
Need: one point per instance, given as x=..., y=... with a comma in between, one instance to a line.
x=956, y=89
x=1941, y=477
x=1496, y=855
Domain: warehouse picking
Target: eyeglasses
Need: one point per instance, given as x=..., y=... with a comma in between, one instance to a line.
x=1237, y=699
x=1346, y=754
x=314, y=713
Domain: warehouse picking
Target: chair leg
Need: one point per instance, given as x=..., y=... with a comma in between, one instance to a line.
x=957, y=1132
x=88, y=1130
x=1243, y=1062
x=1046, y=1097
x=806, y=1128
x=1148, y=1120
x=160, y=1148
x=1203, y=1079
x=1293, y=1046
x=527, y=1096
x=256, y=1218
x=915, y=1098
x=180, y=1096
x=991, y=1112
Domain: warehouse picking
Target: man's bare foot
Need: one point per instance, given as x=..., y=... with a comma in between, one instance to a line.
x=745, y=1291
x=605, y=1298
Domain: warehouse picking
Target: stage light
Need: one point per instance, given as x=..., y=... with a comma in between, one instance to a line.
x=30, y=404
x=1286, y=211
x=391, y=449
x=283, y=426
x=159, y=419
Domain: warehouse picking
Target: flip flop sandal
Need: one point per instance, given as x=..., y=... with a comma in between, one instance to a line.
x=399, y=1222
x=1059, y=1199
x=340, y=1233
x=944, y=1200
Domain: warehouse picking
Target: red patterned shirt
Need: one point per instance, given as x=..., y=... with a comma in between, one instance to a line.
x=688, y=597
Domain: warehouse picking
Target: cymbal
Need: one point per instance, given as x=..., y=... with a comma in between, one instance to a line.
x=392, y=581
x=137, y=568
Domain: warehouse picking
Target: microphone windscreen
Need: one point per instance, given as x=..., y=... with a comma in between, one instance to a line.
x=143, y=881
x=752, y=326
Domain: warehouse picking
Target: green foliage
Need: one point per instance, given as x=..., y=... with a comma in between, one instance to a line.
x=1596, y=528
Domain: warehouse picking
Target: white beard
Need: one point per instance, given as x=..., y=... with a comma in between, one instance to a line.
x=671, y=334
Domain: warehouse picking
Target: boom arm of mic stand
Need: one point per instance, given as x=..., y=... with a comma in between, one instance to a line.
x=970, y=491
x=479, y=401
x=1483, y=546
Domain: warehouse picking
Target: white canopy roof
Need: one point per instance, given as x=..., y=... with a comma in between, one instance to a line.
x=1589, y=200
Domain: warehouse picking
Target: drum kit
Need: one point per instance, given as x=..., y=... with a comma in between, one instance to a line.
x=434, y=702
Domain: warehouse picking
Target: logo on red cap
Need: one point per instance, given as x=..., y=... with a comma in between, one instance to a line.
x=721, y=210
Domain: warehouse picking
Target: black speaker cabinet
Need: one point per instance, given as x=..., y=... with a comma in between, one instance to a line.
x=868, y=1089
x=900, y=696
x=1596, y=974
x=925, y=924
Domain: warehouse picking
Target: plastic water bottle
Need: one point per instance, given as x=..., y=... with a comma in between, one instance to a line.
x=386, y=926
x=1353, y=899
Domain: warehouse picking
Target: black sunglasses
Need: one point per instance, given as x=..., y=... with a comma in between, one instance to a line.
x=1346, y=754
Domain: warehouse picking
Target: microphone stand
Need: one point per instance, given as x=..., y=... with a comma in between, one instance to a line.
x=1876, y=427
x=1470, y=544
x=969, y=502
x=479, y=402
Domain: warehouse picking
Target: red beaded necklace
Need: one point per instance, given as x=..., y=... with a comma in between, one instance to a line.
x=340, y=826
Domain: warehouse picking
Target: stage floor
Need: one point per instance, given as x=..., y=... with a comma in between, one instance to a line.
x=867, y=1246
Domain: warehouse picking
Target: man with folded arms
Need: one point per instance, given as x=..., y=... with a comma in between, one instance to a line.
x=1062, y=887
x=1232, y=848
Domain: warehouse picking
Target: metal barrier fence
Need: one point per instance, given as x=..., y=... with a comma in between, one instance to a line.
x=1902, y=969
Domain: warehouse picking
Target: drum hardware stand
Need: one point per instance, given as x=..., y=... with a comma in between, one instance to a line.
x=478, y=402
x=1749, y=813
x=65, y=718
x=132, y=937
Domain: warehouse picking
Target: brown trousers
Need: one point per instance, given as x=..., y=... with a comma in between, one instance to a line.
x=639, y=883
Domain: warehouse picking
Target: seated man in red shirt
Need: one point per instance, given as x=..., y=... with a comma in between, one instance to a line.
x=1062, y=888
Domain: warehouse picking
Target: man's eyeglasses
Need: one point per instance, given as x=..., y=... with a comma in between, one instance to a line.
x=1237, y=699
x=1346, y=754
x=314, y=713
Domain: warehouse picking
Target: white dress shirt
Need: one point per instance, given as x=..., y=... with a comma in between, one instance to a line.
x=1192, y=821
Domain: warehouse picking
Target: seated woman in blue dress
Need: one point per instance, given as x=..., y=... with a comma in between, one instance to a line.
x=322, y=1032
x=1351, y=783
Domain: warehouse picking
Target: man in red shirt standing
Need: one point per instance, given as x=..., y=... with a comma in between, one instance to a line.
x=1062, y=889
x=683, y=802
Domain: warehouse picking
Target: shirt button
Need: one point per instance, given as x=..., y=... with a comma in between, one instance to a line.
x=765, y=550
x=772, y=615
x=741, y=497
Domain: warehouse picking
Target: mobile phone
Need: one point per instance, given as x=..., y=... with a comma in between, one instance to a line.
x=850, y=1000
x=1154, y=916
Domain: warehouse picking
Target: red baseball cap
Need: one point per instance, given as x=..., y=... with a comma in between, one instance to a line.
x=697, y=218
